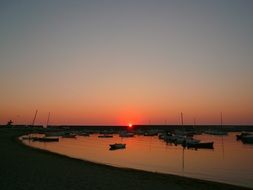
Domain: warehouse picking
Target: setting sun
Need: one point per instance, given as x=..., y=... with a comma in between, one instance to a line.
x=130, y=125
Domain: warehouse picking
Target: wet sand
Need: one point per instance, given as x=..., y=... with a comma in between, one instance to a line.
x=27, y=168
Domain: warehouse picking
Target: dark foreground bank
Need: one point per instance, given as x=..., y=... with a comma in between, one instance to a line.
x=27, y=168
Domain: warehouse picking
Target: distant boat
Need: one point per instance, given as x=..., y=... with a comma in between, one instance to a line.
x=9, y=123
x=139, y=132
x=171, y=138
x=105, y=136
x=126, y=134
x=164, y=135
x=107, y=132
x=185, y=140
x=151, y=133
x=185, y=133
x=242, y=135
x=220, y=132
x=54, y=134
x=117, y=146
x=248, y=139
x=216, y=132
x=28, y=137
x=206, y=145
x=69, y=135
x=46, y=139
x=84, y=134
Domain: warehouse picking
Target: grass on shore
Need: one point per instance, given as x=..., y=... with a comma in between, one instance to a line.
x=28, y=168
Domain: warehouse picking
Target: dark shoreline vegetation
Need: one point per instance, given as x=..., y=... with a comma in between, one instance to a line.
x=24, y=167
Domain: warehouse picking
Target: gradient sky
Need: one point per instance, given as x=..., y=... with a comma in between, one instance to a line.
x=117, y=61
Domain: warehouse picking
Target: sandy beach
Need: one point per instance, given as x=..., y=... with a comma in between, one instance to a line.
x=24, y=167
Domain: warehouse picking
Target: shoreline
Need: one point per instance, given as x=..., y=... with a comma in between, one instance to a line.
x=103, y=176
x=124, y=168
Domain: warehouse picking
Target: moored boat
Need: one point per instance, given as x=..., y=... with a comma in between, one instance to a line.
x=216, y=132
x=117, y=146
x=54, y=134
x=139, y=132
x=28, y=138
x=105, y=136
x=242, y=135
x=171, y=138
x=107, y=132
x=248, y=139
x=184, y=140
x=126, y=134
x=151, y=133
x=69, y=135
x=206, y=145
x=188, y=141
x=84, y=134
x=46, y=139
x=162, y=136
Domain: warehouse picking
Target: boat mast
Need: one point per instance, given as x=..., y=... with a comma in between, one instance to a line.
x=48, y=117
x=183, y=161
x=221, y=120
x=194, y=121
x=222, y=142
x=182, y=119
x=34, y=117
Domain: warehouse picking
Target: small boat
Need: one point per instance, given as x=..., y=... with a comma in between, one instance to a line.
x=107, y=132
x=46, y=139
x=117, y=146
x=139, y=132
x=30, y=138
x=9, y=123
x=69, y=135
x=126, y=134
x=84, y=134
x=188, y=141
x=248, y=139
x=54, y=134
x=242, y=135
x=171, y=138
x=219, y=132
x=183, y=140
x=151, y=133
x=26, y=138
x=184, y=133
x=216, y=132
x=162, y=136
x=105, y=136
x=206, y=145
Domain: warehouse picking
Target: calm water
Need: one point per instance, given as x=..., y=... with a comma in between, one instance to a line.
x=229, y=162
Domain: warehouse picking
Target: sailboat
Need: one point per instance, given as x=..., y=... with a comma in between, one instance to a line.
x=183, y=137
x=34, y=118
x=47, y=138
x=117, y=146
x=48, y=117
x=217, y=132
x=194, y=143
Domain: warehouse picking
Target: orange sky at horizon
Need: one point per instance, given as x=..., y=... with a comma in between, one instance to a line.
x=124, y=117
x=119, y=62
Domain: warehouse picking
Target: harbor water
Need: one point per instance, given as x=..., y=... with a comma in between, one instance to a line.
x=230, y=161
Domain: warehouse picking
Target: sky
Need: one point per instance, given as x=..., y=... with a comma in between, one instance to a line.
x=116, y=62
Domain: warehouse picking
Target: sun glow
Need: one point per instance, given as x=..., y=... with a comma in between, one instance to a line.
x=130, y=125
